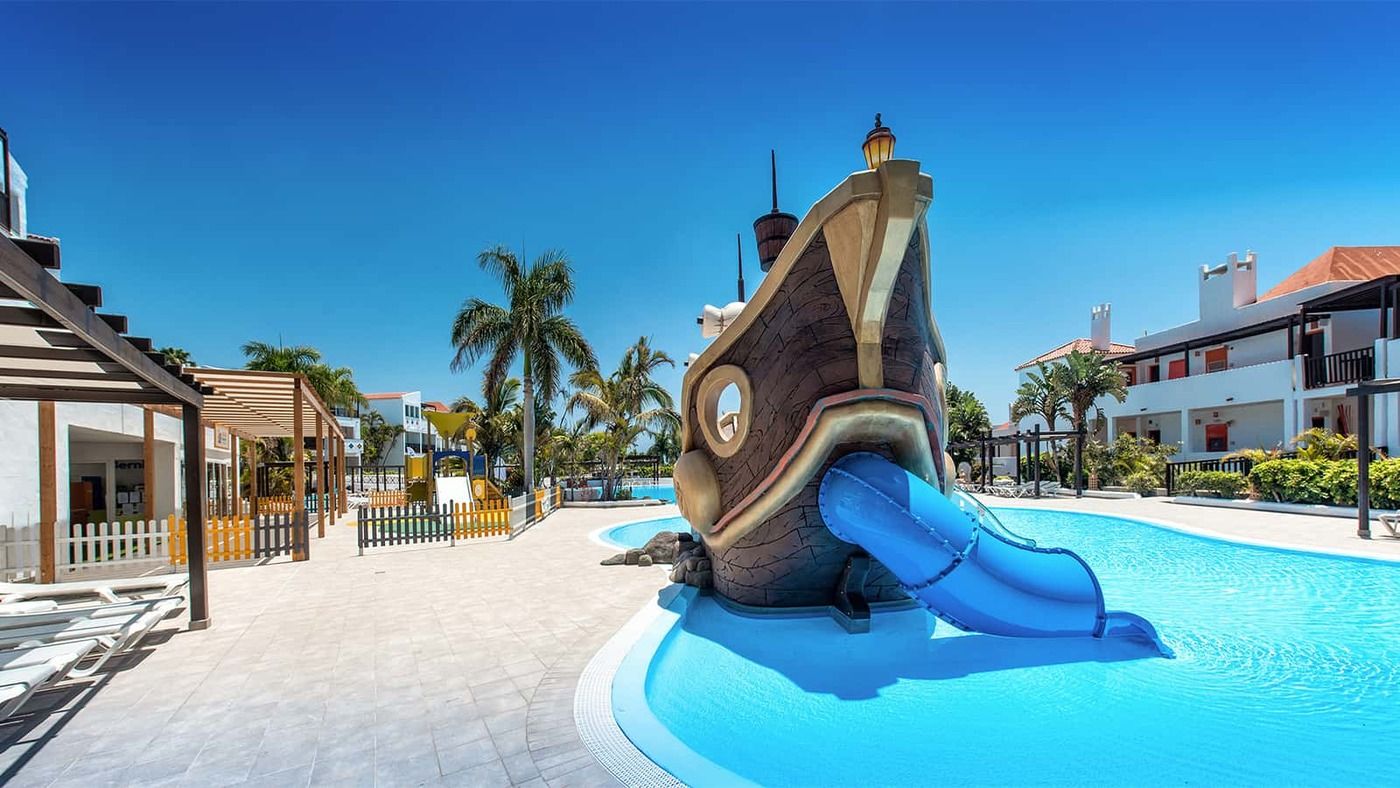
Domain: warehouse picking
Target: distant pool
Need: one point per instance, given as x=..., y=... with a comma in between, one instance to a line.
x=629, y=535
x=1287, y=672
x=661, y=492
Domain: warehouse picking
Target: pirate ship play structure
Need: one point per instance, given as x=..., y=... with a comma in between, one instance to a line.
x=828, y=485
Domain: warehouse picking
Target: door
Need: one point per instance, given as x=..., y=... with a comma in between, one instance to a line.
x=1217, y=437
x=1176, y=369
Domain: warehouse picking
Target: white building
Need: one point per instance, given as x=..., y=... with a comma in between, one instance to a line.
x=1252, y=371
x=1098, y=341
x=405, y=408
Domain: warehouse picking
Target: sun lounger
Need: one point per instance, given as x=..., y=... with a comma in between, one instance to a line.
x=1391, y=522
x=113, y=591
x=24, y=671
x=117, y=629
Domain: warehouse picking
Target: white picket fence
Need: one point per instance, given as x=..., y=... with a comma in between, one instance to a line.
x=81, y=547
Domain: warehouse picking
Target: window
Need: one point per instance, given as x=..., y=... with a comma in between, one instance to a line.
x=1319, y=422
x=1217, y=359
x=1217, y=437
x=1154, y=435
x=1176, y=369
x=1154, y=373
x=1130, y=373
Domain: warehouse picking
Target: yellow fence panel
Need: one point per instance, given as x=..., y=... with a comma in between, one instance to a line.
x=225, y=539
x=381, y=498
x=491, y=518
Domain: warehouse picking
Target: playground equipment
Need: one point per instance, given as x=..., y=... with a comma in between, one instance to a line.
x=829, y=485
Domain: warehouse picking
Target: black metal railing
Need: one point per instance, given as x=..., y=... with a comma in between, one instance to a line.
x=1349, y=366
x=1240, y=465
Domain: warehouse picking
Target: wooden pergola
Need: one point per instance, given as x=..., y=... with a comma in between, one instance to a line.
x=986, y=448
x=257, y=404
x=55, y=347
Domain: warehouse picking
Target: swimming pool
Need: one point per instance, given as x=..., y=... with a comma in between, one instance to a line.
x=636, y=534
x=1287, y=670
x=661, y=492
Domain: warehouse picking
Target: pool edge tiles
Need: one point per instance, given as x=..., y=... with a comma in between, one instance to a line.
x=612, y=692
x=630, y=709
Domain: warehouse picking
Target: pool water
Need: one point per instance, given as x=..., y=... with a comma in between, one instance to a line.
x=636, y=534
x=1287, y=671
x=661, y=492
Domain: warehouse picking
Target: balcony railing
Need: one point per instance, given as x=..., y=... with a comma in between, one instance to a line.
x=1349, y=366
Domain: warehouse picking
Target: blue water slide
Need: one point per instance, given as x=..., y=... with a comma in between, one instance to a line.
x=957, y=560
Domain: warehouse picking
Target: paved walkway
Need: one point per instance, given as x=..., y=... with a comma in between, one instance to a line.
x=409, y=666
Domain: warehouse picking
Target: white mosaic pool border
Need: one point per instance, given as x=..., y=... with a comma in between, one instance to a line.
x=593, y=710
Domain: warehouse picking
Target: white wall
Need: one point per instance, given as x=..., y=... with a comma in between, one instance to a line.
x=19, y=463
x=1258, y=425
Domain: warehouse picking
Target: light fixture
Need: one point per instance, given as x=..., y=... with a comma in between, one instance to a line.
x=879, y=145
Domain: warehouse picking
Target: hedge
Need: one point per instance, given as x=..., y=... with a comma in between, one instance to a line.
x=1222, y=483
x=1325, y=482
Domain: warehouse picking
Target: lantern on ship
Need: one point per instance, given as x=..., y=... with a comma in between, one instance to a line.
x=879, y=145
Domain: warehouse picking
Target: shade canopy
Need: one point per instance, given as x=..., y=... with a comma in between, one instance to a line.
x=261, y=404
x=54, y=346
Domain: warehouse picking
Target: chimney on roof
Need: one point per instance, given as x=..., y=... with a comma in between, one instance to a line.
x=1100, y=336
x=1228, y=286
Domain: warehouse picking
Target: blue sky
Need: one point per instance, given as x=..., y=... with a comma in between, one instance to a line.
x=325, y=174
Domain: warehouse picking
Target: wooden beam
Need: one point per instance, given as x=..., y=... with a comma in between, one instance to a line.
x=33, y=317
x=44, y=251
x=78, y=394
x=94, y=376
x=48, y=489
x=20, y=273
x=340, y=477
x=53, y=353
x=90, y=295
x=148, y=471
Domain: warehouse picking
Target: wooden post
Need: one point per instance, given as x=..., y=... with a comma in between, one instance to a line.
x=1363, y=465
x=253, y=476
x=196, y=493
x=340, y=476
x=298, y=462
x=1079, y=462
x=48, y=490
x=236, y=469
x=1018, y=457
x=322, y=490
x=1035, y=460
x=148, y=461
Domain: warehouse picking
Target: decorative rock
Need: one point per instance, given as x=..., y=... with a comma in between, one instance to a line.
x=678, y=574
x=699, y=579
x=663, y=547
x=631, y=556
x=617, y=560
x=644, y=560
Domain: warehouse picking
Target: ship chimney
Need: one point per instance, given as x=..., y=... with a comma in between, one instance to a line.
x=774, y=228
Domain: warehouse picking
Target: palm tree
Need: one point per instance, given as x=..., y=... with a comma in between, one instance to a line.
x=1082, y=379
x=177, y=356
x=967, y=421
x=334, y=385
x=1040, y=396
x=625, y=405
x=377, y=435
x=667, y=445
x=531, y=326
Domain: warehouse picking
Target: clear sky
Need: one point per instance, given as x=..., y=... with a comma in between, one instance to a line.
x=325, y=174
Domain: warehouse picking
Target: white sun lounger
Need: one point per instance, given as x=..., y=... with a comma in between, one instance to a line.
x=25, y=671
x=1391, y=522
x=117, y=590
x=116, y=629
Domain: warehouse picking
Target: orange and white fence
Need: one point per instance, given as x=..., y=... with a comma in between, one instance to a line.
x=492, y=519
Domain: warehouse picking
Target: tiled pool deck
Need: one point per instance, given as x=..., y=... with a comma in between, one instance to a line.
x=409, y=666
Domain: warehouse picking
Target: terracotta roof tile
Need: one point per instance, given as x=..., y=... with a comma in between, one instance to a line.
x=1340, y=264
x=1082, y=345
x=433, y=404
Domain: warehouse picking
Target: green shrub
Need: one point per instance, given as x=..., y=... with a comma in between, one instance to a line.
x=1325, y=481
x=1141, y=482
x=1222, y=483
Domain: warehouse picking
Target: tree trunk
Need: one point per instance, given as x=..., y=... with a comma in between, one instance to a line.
x=528, y=423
